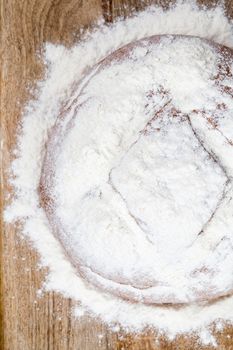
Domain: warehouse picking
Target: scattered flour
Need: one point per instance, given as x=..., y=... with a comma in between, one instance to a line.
x=66, y=66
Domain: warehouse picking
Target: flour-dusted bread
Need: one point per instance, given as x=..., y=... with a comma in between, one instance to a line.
x=137, y=174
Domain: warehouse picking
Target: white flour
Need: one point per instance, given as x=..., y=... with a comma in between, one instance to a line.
x=67, y=66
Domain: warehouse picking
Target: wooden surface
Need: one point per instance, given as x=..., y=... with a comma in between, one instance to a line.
x=28, y=322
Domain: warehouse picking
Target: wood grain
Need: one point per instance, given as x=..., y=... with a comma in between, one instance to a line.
x=26, y=321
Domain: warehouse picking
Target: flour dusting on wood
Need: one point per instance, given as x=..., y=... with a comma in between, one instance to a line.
x=123, y=175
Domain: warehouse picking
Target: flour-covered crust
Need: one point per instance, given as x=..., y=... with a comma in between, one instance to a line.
x=137, y=174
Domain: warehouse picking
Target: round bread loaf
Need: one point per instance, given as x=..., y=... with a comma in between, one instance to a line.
x=137, y=174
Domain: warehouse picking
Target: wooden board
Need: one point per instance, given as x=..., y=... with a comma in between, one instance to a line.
x=26, y=322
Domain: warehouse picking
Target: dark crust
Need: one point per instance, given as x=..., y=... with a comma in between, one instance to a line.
x=46, y=181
